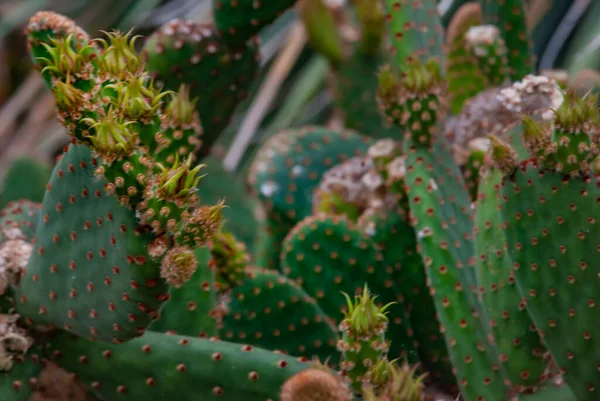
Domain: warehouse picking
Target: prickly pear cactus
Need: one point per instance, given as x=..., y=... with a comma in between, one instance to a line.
x=547, y=209
x=90, y=272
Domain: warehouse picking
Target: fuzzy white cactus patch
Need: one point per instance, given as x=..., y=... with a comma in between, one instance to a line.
x=517, y=97
x=14, y=341
x=14, y=256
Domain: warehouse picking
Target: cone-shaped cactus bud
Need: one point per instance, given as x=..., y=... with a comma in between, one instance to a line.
x=569, y=143
x=180, y=181
x=47, y=29
x=575, y=135
x=315, y=384
x=394, y=383
x=230, y=259
x=489, y=49
x=202, y=225
x=476, y=160
x=536, y=138
x=363, y=340
x=415, y=101
x=14, y=342
x=64, y=60
x=169, y=194
x=110, y=138
x=73, y=106
x=181, y=108
x=504, y=156
x=14, y=256
x=136, y=97
x=181, y=128
x=178, y=266
x=382, y=153
x=120, y=58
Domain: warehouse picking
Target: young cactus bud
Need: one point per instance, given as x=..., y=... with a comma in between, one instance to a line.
x=416, y=101
x=73, y=106
x=394, y=383
x=363, y=340
x=181, y=128
x=110, y=138
x=487, y=46
x=136, y=98
x=478, y=150
x=46, y=31
x=576, y=135
x=503, y=154
x=178, y=266
x=169, y=194
x=315, y=384
x=14, y=342
x=230, y=258
x=120, y=59
x=202, y=225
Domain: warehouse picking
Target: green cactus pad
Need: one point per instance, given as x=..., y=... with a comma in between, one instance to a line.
x=90, y=271
x=240, y=20
x=521, y=349
x=551, y=229
x=415, y=31
x=158, y=367
x=270, y=311
x=328, y=255
x=18, y=383
x=185, y=52
x=396, y=238
x=509, y=16
x=26, y=178
x=441, y=217
x=188, y=310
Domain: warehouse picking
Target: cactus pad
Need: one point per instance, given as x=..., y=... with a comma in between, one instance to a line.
x=552, y=234
x=271, y=311
x=155, y=367
x=188, y=310
x=90, y=271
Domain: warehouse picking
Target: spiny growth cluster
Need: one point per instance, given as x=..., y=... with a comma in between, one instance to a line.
x=144, y=139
